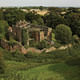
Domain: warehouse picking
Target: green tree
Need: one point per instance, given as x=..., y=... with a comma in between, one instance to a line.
x=1, y=15
x=34, y=22
x=73, y=20
x=3, y=28
x=71, y=9
x=24, y=36
x=41, y=7
x=13, y=15
x=63, y=34
x=34, y=18
x=52, y=19
x=54, y=9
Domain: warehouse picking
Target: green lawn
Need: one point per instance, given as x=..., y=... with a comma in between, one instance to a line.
x=60, y=71
x=35, y=71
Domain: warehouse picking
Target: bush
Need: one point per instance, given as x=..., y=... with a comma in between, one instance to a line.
x=73, y=61
x=43, y=44
x=76, y=39
x=24, y=37
x=63, y=34
x=3, y=28
x=17, y=56
x=13, y=56
x=31, y=55
x=2, y=65
x=57, y=44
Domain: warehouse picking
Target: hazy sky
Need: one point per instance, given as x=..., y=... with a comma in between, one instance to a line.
x=61, y=3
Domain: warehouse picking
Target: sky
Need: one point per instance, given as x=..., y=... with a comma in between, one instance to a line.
x=57, y=3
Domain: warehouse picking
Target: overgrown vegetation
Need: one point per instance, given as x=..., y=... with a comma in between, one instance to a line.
x=19, y=64
x=57, y=65
x=2, y=64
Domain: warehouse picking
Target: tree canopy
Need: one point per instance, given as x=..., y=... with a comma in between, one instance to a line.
x=13, y=15
x=52, y=19
x=73, y=20
x=3, y=28
x=63, y=34
x=34, y=18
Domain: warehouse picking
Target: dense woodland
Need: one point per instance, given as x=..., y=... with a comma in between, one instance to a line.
x=65, y=23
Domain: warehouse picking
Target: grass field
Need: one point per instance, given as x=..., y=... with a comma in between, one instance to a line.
x=58, y=65
x=13, y=68
x=58, y=71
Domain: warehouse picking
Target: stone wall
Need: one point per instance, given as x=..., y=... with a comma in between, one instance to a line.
x=17, y=33
x=41, y=35
x=5, y=45
x=49, y=34
x=35, y=35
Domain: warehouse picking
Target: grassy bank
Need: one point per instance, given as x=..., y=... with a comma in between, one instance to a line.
x=57, y=65
x=58, y=71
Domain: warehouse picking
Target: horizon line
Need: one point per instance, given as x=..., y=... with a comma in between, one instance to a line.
x=39, y=6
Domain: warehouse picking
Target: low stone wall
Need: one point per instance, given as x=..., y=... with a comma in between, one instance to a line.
x=5, y=44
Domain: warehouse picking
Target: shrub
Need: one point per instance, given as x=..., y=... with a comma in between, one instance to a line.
x=63, y=34
x=43, y=44
x=24, y=37
x=73, y=61
x=2, y=65
x=14, y=56
x=31, y=55
x=76, y=39
x=57, y=44
x=3, y=27
x=17, y=56
x=12, y=42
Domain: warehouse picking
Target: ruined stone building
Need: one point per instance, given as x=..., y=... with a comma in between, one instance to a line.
x=34, y=33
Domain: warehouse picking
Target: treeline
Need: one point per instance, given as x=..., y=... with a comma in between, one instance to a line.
x=54, y=17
